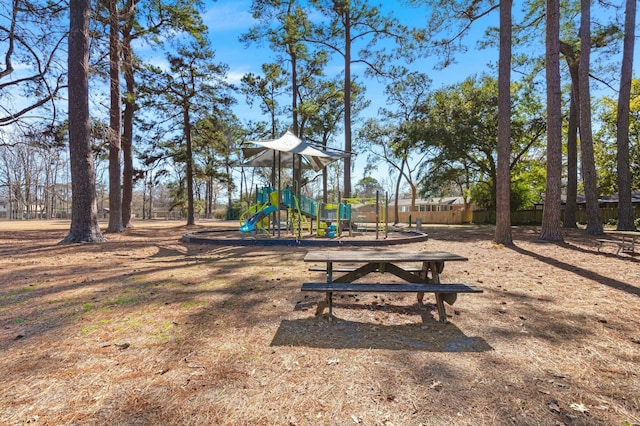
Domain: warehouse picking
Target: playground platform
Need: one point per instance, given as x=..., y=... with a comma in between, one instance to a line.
x=231, y=237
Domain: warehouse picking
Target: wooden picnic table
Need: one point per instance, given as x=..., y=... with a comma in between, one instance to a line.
x=626, y=241
x=356, y=264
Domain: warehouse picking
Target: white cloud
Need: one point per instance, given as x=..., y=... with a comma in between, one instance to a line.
x=234, y=77
x=228, y=15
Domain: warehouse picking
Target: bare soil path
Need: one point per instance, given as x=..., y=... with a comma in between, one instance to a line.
x=148, y=330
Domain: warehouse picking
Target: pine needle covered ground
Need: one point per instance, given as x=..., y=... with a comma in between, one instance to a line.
x=148, y=330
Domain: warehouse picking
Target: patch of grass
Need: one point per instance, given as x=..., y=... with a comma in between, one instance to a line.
x=89, y=328
x=124, y=300
x=133, y=322
x=16, y=292
x=20, y=320
x=192, y=303
x=164, y=333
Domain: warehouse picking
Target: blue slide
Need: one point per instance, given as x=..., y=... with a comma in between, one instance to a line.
x=250, y=224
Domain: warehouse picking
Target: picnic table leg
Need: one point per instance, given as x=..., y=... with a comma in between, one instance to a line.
x=436, y=268
x=321, y=305
x=328, y=301
x=442, y=312
x=329, y=294
x=423, y=275
x=431, y=272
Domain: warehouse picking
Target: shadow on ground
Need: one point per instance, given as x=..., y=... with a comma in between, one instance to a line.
x=320, y=332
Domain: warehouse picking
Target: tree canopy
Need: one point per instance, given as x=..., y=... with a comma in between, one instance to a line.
x=179, y=128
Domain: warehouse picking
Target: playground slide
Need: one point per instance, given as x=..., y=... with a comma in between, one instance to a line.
x=250, y=224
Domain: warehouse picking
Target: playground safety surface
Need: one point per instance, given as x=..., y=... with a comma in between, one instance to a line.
x=232, y=237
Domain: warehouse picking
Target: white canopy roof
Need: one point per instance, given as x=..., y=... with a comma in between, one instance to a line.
x=289, y=145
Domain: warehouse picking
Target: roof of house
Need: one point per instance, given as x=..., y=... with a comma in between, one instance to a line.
x=581, y=199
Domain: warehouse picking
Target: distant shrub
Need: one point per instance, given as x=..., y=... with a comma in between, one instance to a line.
x=235, y=211
x=220, y=213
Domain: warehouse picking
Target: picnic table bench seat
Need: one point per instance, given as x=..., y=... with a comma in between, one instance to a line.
x=444, y=292
x=624, y=246
x=389, y=288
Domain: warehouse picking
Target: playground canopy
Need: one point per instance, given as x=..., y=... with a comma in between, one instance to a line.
x=288, y=146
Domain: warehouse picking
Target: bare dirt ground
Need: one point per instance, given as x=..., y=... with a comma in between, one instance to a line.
x=148, y=330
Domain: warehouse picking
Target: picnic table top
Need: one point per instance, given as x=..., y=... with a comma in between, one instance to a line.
x=629, y=233
x=624, y=233
x=385, y=256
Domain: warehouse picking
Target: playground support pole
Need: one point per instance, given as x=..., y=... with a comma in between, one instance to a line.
x=386, y=215
x=279, y=193
x=275, y=216
x=338, y=230
x=377, y=214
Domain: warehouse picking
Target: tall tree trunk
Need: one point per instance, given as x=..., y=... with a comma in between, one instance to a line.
x=396, y=208
x=347, y=103
x=573, y=60
x=594, y=224
x=571, y=205
x=230, y=193
x=297, y=171
x=550, y=230
x=625, y=207
x=191, y=218
x=115, y=170
x=325, y=189
x=84, y=210
x=503, y=181
x=129, y=111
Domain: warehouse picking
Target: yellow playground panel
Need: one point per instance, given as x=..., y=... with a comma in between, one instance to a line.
x=332, y=219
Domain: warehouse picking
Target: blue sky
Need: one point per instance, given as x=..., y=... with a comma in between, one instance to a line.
x=228, y=19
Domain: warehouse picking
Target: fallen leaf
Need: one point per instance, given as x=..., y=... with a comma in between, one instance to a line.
x=435, y=385
x=355, y=418
x=579, y=407
x=553, y=406
x=333, y=361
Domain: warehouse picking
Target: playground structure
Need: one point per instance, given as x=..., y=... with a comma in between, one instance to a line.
x=289, y=151
x=300, y=213
x=304, y=214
